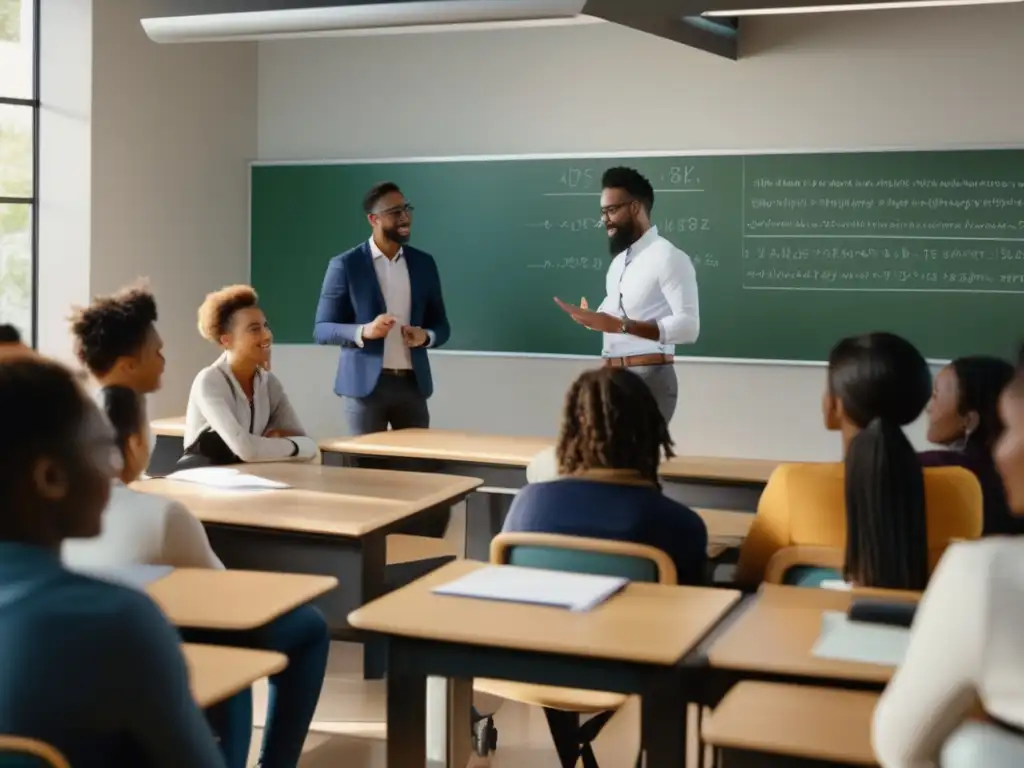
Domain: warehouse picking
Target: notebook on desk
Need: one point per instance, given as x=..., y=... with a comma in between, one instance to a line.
x=536, y=586
x=135, y=576
x=845, y=640
x=226, y=477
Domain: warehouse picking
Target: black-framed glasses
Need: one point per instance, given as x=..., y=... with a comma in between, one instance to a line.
x=398, y=210
x=610, y=210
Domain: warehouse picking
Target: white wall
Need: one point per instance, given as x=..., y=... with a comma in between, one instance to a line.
x=173, y=130
x=912, y=79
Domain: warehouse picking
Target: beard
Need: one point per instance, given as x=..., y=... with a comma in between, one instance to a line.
x=392, y=234
x=625, y=235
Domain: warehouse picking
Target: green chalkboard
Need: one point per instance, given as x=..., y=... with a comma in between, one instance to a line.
x=791, y=251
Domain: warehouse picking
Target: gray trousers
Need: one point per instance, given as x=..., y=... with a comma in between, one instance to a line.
x=662, y=381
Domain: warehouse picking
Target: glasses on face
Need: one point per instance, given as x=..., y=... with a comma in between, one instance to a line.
x=397, y=210
x=608, y=211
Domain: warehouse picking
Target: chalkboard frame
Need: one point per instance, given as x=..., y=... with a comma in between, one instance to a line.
x=679, y=358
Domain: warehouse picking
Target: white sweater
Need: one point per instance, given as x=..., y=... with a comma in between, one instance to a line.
x=143, y=529
x=966, y=643
x=217, y=402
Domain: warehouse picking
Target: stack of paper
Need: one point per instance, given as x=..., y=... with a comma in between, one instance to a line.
x=858, y=641
x=135, y=576
x=225, y=477
x=574, y=591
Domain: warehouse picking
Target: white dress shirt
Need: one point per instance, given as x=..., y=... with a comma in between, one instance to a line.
x=393, y=276
x=143, y=529
x=217, y=402
x=652, y=281
x=965, y=644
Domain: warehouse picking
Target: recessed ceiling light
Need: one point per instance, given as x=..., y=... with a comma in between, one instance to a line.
x=851, y=6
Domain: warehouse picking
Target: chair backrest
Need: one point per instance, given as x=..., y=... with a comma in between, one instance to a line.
x=803, y=566
x=636, y=562
x=22, y=752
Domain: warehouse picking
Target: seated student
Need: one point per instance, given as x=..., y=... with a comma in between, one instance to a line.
x=892, y=519
x=90, y=667
x=237, y=409
x=963, y=416
x=609, y=447
x=146, y=529
x=965, y=642
x=9, y=334
x=117, y=341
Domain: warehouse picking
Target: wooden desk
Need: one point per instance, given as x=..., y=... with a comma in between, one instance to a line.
x=634, y=643
x=169, y=434
x=501, y=461
x=201, y=598
x=332, y=522
x=217, y=672
x=773, y=637
x=798, y=724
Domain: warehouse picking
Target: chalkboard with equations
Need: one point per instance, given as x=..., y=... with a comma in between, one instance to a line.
x=792, y=251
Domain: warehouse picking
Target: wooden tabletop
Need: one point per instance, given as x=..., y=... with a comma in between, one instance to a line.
x=795, y=721
x=776, y=634
x=336, y=501
x=513, y=451
x=218, y=672
x=646, y=623
x=233, y=600
x=172, y=427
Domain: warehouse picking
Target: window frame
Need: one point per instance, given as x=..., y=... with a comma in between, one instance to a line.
x=32, y=202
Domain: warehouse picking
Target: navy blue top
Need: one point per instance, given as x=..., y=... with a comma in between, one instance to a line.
x=998, y=517
x=94, y=669
x=602, y=510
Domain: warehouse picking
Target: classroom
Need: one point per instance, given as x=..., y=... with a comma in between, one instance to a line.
x=197, y=144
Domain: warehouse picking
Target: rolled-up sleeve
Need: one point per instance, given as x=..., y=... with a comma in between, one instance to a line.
x=678, y=281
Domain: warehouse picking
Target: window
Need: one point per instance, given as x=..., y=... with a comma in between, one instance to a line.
x=19, y=162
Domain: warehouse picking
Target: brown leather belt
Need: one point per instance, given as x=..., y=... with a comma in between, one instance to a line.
x=635, y=361
x=397, y=371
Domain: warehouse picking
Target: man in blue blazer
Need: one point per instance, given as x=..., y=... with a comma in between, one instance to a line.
x=381, y=303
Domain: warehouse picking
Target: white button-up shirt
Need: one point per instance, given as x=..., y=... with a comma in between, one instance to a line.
x=652, y=281
x=393, y=276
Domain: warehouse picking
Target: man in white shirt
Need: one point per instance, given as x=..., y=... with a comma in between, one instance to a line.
x=651, y=290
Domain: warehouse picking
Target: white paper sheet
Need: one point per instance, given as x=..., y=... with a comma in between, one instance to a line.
x=574, y=591
x=135, y=576
x=858, y=641
x=226, y=477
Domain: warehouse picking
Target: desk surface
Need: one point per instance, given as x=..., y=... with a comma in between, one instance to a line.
x=646, y=623
x=233, y=600
x=795, y=721
x=442, y=444
x=172, y=427
x=333, y=501
x=776, y=633
x=217, y=672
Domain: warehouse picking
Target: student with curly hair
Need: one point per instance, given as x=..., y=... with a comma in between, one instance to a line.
x=117, y=341
x=612, y=438
x=238, y=410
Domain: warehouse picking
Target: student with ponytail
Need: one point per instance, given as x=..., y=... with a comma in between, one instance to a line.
x=892, y=519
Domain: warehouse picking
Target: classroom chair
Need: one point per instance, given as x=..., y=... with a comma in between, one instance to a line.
x=21, y=752
x=805, y=566
x=564, y=706
x=982, y=745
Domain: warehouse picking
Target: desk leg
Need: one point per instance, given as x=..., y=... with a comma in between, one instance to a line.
x=485, y=515
x=663, y=725
x=460, y=705
x=407, y=720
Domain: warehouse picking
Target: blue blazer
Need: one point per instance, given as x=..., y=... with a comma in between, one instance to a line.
x=351, y=297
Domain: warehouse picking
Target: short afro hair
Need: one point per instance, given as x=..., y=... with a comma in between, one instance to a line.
x=631, y=180
x=377, y=191
x=113, y=327
x=9, y=334
x=219, y=307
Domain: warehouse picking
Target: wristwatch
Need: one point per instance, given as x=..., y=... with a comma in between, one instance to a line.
x=624, y=327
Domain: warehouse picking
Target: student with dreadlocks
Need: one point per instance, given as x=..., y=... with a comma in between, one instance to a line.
x=611, y=441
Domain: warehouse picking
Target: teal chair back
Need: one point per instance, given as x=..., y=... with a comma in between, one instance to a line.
x=581, y=561
x=17, y=760
x=810, y=576
x=982, y=745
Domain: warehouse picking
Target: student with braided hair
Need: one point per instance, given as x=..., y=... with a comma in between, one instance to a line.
x=611, y=441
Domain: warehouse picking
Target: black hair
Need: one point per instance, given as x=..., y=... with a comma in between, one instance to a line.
x=631, y=180
x=9, y=334
x=612, y=421
x=123, y=407
x=47, y=410
x=377, y=191
x=113, y=327
x=980, y=381
x=883, y=383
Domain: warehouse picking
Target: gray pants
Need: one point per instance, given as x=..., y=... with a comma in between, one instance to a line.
x=395, y=402
x=662, y=381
